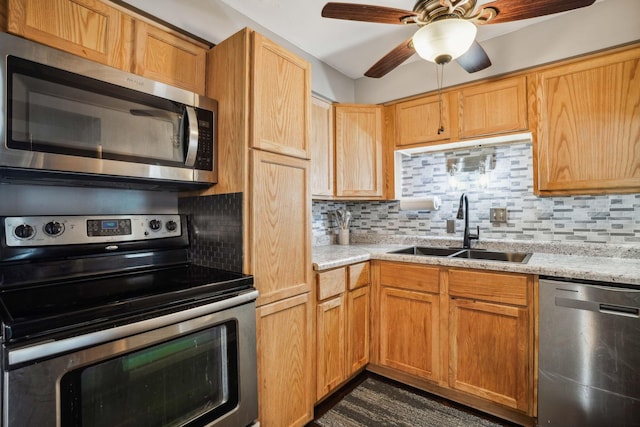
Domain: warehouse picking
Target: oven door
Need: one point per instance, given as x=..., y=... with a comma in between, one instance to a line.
x=197, y=372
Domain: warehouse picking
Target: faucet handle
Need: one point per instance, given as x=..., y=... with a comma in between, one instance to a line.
x=477, y=235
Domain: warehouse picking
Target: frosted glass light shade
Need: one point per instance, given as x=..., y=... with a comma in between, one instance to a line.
x=444, y=40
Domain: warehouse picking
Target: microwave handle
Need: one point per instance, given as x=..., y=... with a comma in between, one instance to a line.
x=192, y=137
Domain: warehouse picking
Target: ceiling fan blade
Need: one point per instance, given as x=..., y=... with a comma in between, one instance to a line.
x=475, y=59
x=366, y=13
x=514, y=10
x=391, y=60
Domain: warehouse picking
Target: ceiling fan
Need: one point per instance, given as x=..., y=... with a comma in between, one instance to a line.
x=447, y=27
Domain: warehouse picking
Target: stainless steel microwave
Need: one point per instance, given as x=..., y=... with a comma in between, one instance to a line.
x=68, y=120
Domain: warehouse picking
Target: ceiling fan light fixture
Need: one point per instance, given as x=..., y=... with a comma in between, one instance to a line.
x=444, y=40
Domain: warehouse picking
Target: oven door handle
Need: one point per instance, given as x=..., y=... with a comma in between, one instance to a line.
x=47, y=349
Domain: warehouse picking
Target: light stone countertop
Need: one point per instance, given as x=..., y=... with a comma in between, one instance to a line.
x=582, y=267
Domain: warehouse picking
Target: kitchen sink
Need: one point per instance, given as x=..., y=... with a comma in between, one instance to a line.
x=520, y=257
x=427, y=251
x=478, y=254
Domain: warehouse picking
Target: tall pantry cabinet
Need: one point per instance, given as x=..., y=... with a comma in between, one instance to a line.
x=264, y=98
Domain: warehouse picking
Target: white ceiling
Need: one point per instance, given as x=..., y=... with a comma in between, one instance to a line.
x=348, y=46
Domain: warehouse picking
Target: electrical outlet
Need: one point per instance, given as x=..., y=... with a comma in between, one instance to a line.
x=498, y=214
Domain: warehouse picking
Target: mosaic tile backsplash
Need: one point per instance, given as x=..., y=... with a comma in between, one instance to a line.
x=216, y=230
x=597, y=219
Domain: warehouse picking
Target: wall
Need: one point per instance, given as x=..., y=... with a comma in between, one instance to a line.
x=599, y=26
x=214, y=21
x=598, y=219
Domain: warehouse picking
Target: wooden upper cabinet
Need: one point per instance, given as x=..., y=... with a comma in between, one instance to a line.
x=588, y=131
x=493, y=108
x=87, y=28
x=280, y=100
x=418, y=121
x=358, y=133
x=228, y=83
x=279, y=251
x=322, y=164
x=168, y=58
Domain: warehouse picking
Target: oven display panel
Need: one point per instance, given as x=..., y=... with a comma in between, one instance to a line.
x=108, y=227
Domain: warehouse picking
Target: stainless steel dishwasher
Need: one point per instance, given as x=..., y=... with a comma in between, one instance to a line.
x=589, y=354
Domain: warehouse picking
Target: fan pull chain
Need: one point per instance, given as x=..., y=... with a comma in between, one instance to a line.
x=439, y=79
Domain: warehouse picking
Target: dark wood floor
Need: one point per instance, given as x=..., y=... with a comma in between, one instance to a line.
x=336, y=397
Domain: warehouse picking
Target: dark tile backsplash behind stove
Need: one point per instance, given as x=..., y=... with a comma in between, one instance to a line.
x=216, y=230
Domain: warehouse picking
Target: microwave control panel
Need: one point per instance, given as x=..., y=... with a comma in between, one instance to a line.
x=206, y=136
x=70, y=230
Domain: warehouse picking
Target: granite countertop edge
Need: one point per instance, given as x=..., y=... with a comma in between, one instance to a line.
x=580, y=267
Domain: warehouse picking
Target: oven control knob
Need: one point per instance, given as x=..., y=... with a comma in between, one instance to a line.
x=53, y=228
x=24, y=231
x=155, y=224
x=172, y=226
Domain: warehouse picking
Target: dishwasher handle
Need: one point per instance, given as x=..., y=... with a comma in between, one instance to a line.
x=598, y=307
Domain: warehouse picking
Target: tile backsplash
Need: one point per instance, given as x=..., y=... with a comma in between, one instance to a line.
x=597, y=219
x=216, y=230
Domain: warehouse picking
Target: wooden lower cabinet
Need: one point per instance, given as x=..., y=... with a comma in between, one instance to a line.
x=342, y=325
x=489, y=347
x=331, y=345
x=284, y=339
x=358, y=306
x=467, y=335
x=409, y=332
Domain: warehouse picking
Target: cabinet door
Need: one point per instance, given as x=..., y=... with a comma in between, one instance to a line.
x=285, y=365
x=489, y=348
x=358, y=304
x=322, y=166
x=168, y=58
x=493, y=108
x=409, y=332
x=418, y=121
x=228, y=83
x=587, y=134
x=331, y=345
x=280, y=100
x=279, y=247
x=358, y=133
x=87, y=28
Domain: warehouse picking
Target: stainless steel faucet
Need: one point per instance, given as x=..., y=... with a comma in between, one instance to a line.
x=466, y=241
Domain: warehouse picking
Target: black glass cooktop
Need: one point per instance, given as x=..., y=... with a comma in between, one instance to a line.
x=76, y=306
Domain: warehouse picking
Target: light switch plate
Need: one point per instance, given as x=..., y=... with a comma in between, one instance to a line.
x=498, y=214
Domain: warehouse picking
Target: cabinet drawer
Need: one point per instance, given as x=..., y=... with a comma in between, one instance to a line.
x=331, y=283
x=410, y=276
x=489, y=286
x=359, y=275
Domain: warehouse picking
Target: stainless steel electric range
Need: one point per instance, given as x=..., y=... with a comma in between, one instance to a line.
x=105, y=322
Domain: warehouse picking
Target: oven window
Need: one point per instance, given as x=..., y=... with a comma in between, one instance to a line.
x=188, y=380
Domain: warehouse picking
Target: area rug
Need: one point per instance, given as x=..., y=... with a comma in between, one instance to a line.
x=376, y=403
